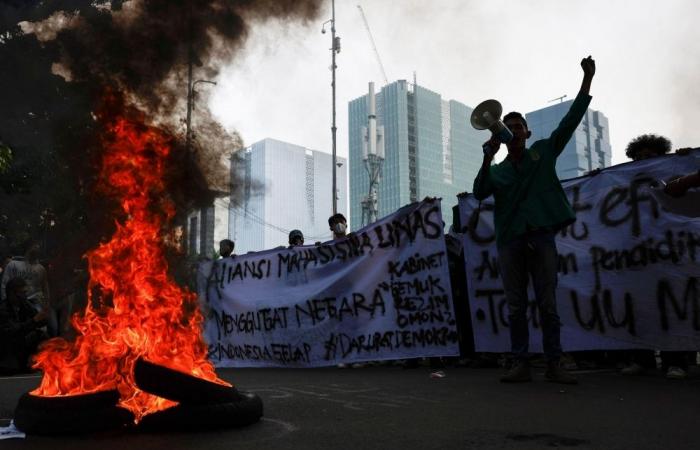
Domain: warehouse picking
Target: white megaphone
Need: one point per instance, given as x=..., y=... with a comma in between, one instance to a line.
x=487, y=116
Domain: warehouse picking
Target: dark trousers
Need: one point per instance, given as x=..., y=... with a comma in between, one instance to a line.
x=532, y=255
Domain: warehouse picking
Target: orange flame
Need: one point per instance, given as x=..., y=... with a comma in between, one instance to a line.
x=134, y=308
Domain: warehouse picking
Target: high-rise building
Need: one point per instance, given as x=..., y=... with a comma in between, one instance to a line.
x=429, y=146
x=206, y=226
x=286, y=187
x=589, y=147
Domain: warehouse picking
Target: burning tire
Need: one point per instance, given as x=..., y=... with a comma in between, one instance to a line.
x=71, y=414
x=203, y=405
x=189, y=417
x=180, y=387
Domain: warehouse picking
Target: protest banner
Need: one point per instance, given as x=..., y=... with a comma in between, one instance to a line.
x=380, y=293
x=628, y=267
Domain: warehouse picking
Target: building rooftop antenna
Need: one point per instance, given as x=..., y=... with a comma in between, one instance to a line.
x=373, y=157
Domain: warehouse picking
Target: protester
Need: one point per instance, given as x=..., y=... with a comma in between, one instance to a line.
x=226, y=247
x=638, y=361
x=530, y=206
x=212, y=270
x=32, y=272
x=296, y=238
x=677, y=362
x=338, y=225
x=21, y=328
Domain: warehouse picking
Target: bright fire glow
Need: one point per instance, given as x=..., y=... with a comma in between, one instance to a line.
x=134, y=307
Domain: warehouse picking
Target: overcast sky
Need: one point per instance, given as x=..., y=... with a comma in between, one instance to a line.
x=521, y=52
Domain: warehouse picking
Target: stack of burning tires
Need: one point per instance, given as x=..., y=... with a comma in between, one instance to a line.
x=201, y=405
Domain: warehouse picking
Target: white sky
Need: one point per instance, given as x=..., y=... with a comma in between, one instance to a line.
x=521, y=52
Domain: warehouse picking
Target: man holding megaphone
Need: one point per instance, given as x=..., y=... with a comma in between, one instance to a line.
x=530, y=207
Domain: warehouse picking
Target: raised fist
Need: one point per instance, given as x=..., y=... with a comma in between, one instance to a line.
x=588, y=66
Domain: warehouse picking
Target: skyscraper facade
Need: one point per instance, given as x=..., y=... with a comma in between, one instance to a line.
x=286, y=187
x=430, y=149
x=589, y=147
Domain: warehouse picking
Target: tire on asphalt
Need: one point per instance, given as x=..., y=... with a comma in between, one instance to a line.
x=199, y=417
x=181, y=387
x=85, y=413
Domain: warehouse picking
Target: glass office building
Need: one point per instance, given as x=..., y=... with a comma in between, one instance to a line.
x=430, y=149
x=589, y=147
x=286, y=187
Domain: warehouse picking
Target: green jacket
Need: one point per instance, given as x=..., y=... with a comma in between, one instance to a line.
x=531, y=196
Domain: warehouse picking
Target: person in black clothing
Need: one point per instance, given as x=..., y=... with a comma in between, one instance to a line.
x=21, y=328
x=226, y=247
x=674, y=363
x=296, y=238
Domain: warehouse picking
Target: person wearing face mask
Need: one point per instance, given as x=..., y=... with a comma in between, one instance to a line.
x=530, y=207
x=338, y=225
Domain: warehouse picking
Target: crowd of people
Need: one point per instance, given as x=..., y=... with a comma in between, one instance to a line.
x=526, y=224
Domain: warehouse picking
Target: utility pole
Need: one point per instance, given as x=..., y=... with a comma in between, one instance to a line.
x=335, y=48
x=191, y=92
x=190, y=58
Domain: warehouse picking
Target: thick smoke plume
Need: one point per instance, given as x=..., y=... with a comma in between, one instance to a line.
x=79, y=49
x=142, y=48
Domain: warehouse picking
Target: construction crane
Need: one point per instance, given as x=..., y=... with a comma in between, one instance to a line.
x=374, y=46
x=561, y=99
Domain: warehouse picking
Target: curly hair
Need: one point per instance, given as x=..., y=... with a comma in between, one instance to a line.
x=658, y=144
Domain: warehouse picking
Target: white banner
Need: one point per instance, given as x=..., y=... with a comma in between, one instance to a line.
x=381, y=293
x=628, y=267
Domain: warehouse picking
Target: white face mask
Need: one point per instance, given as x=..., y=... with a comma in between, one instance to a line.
x=340, y=228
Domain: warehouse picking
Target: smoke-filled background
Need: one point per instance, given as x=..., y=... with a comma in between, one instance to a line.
x=59, y=58
x=522, y=52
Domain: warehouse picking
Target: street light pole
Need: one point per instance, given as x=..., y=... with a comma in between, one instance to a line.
x=190, y=99
x=335, y=48
x=190, y=104
x=333, y=128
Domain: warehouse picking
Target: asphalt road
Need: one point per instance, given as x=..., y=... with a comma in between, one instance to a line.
x=391, y=408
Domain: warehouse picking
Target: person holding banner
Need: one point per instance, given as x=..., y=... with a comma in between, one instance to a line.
x=296, y=238
x=530, y=207
x=674, y=363
x=226, y=247
x=338, y=225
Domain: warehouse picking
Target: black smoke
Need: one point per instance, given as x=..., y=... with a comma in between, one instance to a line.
x=58, y=60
